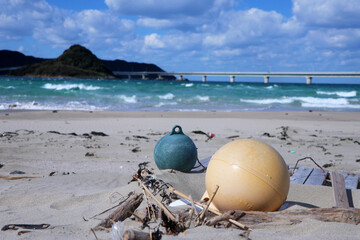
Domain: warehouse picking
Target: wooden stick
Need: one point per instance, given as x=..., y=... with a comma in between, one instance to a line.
x=210, y=209
x=162, y=206
x=207, y=206
x=224, y=217
x=193, y=205
x=124, y=211
x=322, y=169
x=17, y=177
x=92, y=230
x=147, y=204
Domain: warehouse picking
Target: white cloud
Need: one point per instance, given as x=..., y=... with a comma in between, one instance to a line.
x=328, y=13
x=251, y=27
x=89, y=27
x=155, y=23
x=18, y=17
x=162, y=8
x=153, y=41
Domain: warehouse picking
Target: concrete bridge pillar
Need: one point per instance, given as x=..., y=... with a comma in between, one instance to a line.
x=266, y=79
x=160, y=77
x=308, y=80
x=129, y=76
x=232, y=78
x=204, y=78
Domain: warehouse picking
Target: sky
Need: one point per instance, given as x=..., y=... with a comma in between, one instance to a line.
x=192, y=35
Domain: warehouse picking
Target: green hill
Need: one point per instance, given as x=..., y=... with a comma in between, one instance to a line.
x=77, y=61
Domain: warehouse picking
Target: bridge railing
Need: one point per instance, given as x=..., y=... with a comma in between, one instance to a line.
x=266, y=75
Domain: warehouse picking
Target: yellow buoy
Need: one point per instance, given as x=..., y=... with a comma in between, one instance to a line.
x=251, y=176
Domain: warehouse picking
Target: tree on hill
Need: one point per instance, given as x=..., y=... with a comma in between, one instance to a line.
x=77, y=61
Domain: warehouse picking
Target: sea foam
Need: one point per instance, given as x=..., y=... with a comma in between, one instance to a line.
x=128, y=99
x=70, y=86
x=202, y=98
x=167, y=96
x=340, y=94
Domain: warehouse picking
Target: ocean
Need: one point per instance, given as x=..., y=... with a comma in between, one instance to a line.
x=19, y=93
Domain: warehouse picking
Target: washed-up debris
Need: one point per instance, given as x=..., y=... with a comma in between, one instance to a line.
x=266, y=134
x=284, y=133
x=209, y=135
x=233, y=136
x=63, y=173
x=86, y=135
x=89, y=154
x=136, y=149
x=101, y=134
x=310, y=158
x=158, y=219
x=17, y=172
x=318, y=146
x=327, y=165
x=25, y=226
x=124, y=211
x=140, y=137
x=10, y=135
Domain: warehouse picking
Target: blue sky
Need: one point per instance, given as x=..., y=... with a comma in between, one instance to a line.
x=192, y=35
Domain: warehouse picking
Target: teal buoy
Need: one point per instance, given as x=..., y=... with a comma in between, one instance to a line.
x=175, y=151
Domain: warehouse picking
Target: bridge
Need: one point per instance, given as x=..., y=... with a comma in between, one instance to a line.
x=266, y=75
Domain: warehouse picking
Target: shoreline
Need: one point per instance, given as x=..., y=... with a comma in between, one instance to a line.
x=292, y=115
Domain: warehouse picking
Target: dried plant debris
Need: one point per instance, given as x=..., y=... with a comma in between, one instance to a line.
x=25, y=226
x=86, y=135
x=10, y=135
x=136, y=149
x=140, y=137
x=156, y=185
x=284, y=133
x=266, y=134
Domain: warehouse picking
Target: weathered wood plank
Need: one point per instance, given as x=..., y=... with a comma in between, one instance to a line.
x=351, y=180
x=338, y=184
x=316, y=177
x=301, y=175
x=344, y=215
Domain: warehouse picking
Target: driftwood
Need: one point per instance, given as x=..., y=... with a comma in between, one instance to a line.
x=17, y=177
x=124, y=211
x=162, y=206
x=202, y=215
x=343, y=215
x=236, y=223
x=24, y=226
x=136, y=235
x=223, y=217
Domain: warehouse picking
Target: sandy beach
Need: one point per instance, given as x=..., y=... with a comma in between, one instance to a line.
x=82, y=162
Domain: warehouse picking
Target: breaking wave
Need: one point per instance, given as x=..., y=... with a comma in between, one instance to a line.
x=60, y=87
x=340, y=94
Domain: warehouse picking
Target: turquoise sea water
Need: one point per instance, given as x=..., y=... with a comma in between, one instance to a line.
x=138, y=95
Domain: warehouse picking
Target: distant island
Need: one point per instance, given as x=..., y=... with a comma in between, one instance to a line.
x=75, y=62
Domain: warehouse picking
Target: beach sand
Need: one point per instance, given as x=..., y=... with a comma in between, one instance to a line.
x=89, y=171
